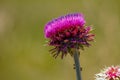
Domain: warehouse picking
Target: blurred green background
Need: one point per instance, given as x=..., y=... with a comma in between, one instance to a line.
x=23, y=55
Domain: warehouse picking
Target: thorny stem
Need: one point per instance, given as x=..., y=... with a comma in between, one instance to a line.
x=77, y=64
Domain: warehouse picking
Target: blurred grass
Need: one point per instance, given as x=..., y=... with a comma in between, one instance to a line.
x=22, y=54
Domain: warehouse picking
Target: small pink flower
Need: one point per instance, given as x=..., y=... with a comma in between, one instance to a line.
x=113, y=72
x=109, y=73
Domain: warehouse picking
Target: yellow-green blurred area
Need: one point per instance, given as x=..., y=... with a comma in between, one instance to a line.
x=23, y=55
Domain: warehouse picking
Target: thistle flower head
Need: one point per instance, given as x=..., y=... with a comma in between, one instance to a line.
x=109, y=73
x=67, y=32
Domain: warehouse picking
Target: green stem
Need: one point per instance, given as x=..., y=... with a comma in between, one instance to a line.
x=77, y=64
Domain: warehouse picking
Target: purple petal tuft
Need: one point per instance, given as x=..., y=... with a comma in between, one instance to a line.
x=62, y=23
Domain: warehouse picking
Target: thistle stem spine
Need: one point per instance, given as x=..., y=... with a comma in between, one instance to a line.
x=77, y=65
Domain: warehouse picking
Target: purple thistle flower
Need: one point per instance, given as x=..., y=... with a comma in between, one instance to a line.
x=68, y=32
